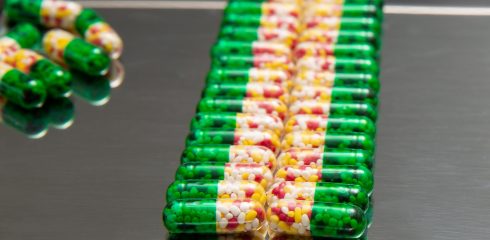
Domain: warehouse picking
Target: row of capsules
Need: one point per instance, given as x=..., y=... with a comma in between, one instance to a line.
x=52, y=28
x=264, y=87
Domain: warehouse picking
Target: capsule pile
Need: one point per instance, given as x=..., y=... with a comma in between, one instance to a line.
x=50, y=50
x=293, y=92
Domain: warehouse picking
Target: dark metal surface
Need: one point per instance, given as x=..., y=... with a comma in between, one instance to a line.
x=104, y=177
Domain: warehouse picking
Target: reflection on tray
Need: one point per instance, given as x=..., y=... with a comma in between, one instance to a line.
x=59, y=113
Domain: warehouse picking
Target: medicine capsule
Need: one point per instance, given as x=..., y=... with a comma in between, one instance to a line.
x=246, y=75
x=229, y=171
x=318, y=219
x=319, y=192
x=232, y=121
x=214, y=216
x=274, y=107
x=249, y=90
x=333, y=109
x=318, y=157
x=337, y=64
x=263, y=138
x=54, y=77
x=229, y=47
x=328, y=140
x=259, y=61
x=328, y=173
x=329, y=79
x=322, y=93
x=331, y=23
x=324, y=123
x=21, y=89
x=344, y=10
x=264, y=9
x=340, y=37
x=290, y=24
x=216, y=189
x=239, y=33
x=22, y=35
x=229, y=154
x=63, y=47
x=314, y=49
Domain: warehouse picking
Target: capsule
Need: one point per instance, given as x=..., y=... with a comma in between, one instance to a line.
x=214, y=189
x=328, y=140
x=264, y=9
x=246, y=75
x=344, y=10
x=246, y=33
x=229, y=172
x=63, y=47
x=317, y=219
x=249, y=90
x=331, y=23
x=318, y=157
x=229, y=47
x=340, y=37
x=322, y=93
x=314, y=49
x=21, y=89
x=290, y=24
x=324, y=123
x=229, y=154
x=232, y=121
x=265, y=138
x=22, y=35
x=213, y=216
x=259, y=61
x=274, y=107
x=54, y=77
x=333, y=109
x=319, y=192
x=329, y=79
x=336, y=64
x=328, y=173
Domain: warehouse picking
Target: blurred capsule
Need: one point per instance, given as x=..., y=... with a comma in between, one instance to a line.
x=274, y=107
x=247, y=33
x=249, y=90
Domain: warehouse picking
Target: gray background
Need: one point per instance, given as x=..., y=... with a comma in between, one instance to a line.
x=104, y=177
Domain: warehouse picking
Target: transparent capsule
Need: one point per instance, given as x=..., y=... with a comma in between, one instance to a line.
x=314, y=49
x=324, y=123
x=21, y=89
x=274, y=107
x=259, y=61
x=333, y=109
x=229, y=154
x=322, y=93
x=290, y=24
x=263, y=8
x=340, y=37
x=246, y=75
x=55, y=78
x=336, y=64
x=249, y=90
x=318, y=219
x=246, y=33
x=344, y=10
x=229, y=171
x=216, y=189
x=214, y=216
x=228, y=47
x=63, y=47
x=319, y=192
x=318, y=157
x=329, y=79
x=331, y=23
x=237, y=121
x=310, y=139
x=328, y=173
x=263, y=138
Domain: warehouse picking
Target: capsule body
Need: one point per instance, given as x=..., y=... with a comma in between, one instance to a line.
x=307, y=218
x=258, y=61
x=247, y=75
x=20, y=89
x=64, y=48
x=247, y=33
x=329, y=79
x=210, y=216
x=214, y=189
x=290, y=24
x=310, y=139
x=227, y=47
x=333, y=173
x=229, y=172
x=273, y=107
x=229, y=154
x=335, y=64
x=232, y=121
x=314, y=49
x=333, y=109
x=319, y=192
x=340, y=37
x=331, y=23
x=344, y=10
x=263, y=138
x=263, y=9
x=322, y=93
x=324, y=123
x=249, y=90
x=318, y=157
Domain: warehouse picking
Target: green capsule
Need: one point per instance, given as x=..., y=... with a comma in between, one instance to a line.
x=24, y=34
x=328, y=140
x=246, y=75
x=333, y=94
x=338, y=64
x=343, y=23
x=94, y=90
x=23, y=10
x=252, y=90
x=259, y=61
x=236, y=236
x=20, y=89
x=345, y=10
x=263, y=8
x=315, y=157
x=247, y=33
x=314, y=49
x=317, y=107
x=231, y=121
x=228, y=47
x=287, y=23
x=274, y=107
x=331, y=124
x=341, y=37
